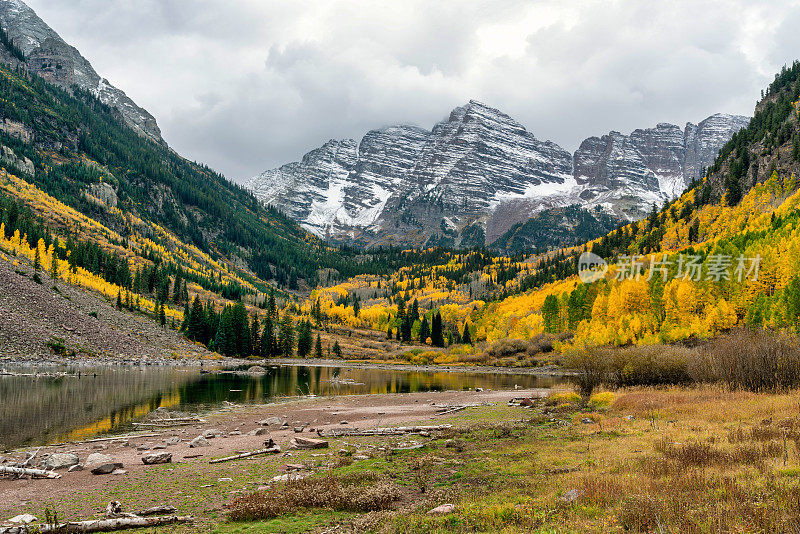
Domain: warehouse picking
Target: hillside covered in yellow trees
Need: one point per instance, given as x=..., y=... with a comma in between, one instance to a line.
x=86, y=201
x=723, y=254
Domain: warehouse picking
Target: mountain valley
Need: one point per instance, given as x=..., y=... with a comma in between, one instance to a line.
x=477, y=174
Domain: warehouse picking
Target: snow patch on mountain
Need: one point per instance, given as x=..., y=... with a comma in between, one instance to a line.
x=479, y=172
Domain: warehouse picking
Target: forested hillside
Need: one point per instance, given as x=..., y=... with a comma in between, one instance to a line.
x=87, y=200
x=80, y=149
x=723, y=254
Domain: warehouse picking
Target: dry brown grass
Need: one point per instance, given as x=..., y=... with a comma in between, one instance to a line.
x=330, y=492
x=752, y=360
x=745, y=359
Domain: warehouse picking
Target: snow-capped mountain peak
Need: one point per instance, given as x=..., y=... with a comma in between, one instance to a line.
x=479, y=172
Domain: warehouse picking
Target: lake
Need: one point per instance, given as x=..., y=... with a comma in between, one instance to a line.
x=92, y=401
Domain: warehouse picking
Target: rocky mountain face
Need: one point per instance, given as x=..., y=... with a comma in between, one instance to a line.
x=47, y=55
x=627, y=174
x=479, y=173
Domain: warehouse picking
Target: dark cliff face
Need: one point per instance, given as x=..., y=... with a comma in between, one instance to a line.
x=627, y=174
x=47, y=55
x=478, y=173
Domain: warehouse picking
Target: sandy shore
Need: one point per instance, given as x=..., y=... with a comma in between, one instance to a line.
x=232, y=425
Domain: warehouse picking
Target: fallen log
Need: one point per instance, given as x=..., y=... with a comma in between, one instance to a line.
x=121, y=437
x=162, y=509
x=24, y=471
x=167, y=423
x=341, y=432
x=409, y=448
x=274, y=449
x=444, y=409
x=307, y=443
x=27, y=462
x=98, y=525
x=167, y=420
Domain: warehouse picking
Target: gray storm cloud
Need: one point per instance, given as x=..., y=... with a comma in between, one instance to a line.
x=245, y=85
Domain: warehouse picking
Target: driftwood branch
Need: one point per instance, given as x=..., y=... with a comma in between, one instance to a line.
x=23, y=471
x=98, y=525
x=162, y=509
x=160, y=424
x=30, y=458
x=444, y=409
x=398, y=431
x=121, y=437
x=269, y=450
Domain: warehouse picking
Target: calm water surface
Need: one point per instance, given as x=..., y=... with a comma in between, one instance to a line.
x=95, y=400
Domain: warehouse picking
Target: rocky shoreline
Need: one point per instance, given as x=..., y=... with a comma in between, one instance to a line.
x=228, y=364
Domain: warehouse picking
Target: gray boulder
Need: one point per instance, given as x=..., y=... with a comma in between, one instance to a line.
x=158, y=458
x=97, y=458
x=60, y=460
x=199, y=441
x=107, y=469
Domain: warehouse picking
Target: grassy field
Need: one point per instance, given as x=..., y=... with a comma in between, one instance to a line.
x=644, y=460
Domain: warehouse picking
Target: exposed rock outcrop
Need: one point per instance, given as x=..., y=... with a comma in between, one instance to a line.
x=47, y=55
x=479, y=173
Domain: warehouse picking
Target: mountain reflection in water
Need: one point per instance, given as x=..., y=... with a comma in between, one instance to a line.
x=95, y=400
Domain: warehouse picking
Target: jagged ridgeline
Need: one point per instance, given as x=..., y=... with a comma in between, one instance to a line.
x=742, y=242
x=78, y=145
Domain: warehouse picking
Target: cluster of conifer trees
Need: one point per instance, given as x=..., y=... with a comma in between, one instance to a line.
x=410, y=325
x=232, y=332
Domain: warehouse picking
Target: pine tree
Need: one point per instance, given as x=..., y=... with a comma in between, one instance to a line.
x=177, y=288
x=796, y=148
x=269, y=346
x=119, y=299
x=389, y=332
x=241, y=330
x=186, y=312
x=406, y=327
x=196, y=326
x=162, y=316
x=467, y=337
x=337, y=350
x=550, y=314
x=424, y=330
x=304, y=339
x=272, y=308
x=318, y=347
x=37, y=261
x=54, y=266
x=255, y=336
x=286, y=336
x=437, y=336
x=225, y=339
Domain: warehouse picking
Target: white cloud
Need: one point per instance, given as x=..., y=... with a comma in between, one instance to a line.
x=244, y=85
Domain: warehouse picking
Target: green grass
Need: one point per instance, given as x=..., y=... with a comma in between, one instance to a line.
x=507, y=468
x=304, y=521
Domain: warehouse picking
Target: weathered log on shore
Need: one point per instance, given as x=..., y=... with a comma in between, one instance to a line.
x=121, y=437
x=168, y=424
x=272, y=449
x=398, y=431
x=98, y=525
x=444, y=409
x=161, y=509
x=24, y=471
x=307, y=443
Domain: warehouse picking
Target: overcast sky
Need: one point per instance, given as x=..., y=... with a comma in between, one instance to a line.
x=245, y=85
